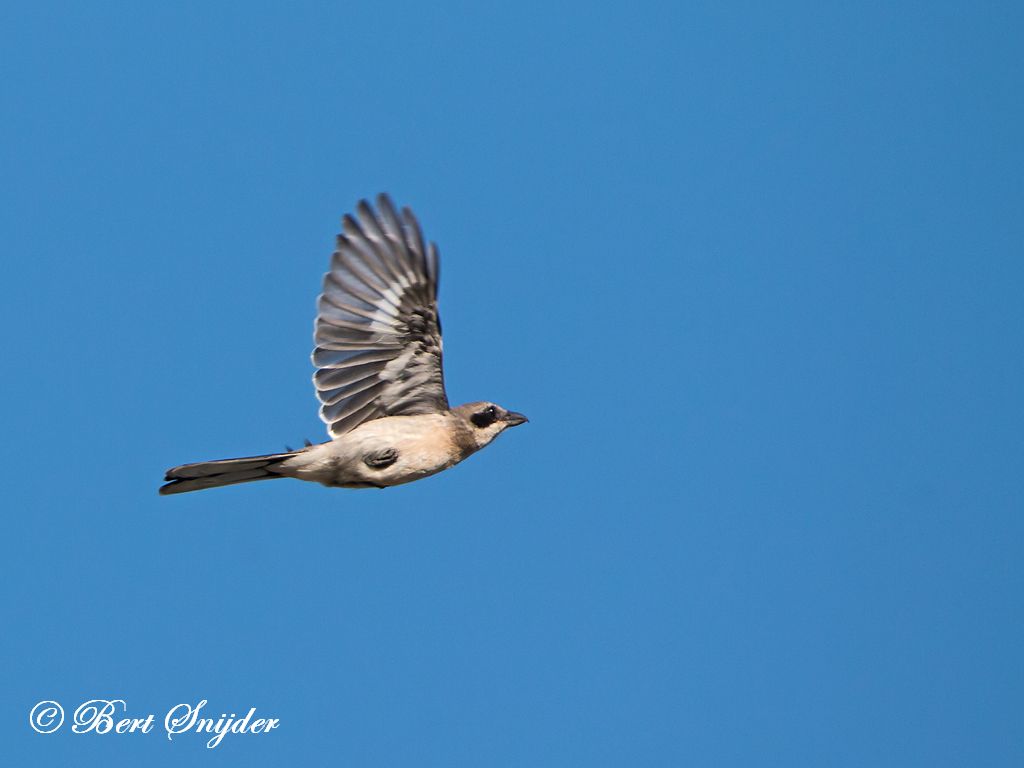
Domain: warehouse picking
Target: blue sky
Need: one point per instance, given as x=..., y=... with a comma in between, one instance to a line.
x=753, y=271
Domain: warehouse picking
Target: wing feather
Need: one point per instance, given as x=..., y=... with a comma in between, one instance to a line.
x=378, y=335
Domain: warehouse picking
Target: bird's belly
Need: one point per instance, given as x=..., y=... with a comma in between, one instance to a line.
x=410, y=466
x=378, y=456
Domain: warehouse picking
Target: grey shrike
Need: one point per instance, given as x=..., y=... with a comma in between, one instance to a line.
x=378, y=377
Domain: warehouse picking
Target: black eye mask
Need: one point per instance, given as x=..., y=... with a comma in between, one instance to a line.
x=485, y=418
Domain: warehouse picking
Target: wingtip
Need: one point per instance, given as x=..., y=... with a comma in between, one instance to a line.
x=350, y=227
x=365, y=210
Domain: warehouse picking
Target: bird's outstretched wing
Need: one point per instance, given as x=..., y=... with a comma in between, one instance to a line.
x=377, y=332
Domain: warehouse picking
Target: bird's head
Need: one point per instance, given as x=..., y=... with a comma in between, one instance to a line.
x=483, y=421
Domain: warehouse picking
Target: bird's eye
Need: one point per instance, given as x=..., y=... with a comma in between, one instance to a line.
x=484, y=418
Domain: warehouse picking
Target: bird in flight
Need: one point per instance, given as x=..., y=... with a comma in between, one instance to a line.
x=378, y=372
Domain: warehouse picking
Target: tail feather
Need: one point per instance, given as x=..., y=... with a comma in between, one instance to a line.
x=213, y=474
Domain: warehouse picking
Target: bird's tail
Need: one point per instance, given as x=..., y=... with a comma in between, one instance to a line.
x=213, y=474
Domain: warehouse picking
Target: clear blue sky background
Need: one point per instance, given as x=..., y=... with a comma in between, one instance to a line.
x=753, y=270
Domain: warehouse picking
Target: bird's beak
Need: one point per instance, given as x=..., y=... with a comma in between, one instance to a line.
x=514, y=419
